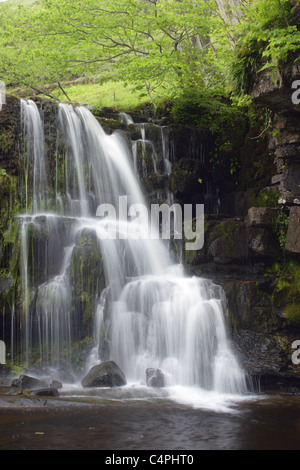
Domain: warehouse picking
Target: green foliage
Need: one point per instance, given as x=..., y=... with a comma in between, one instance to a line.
x=269, y=36
x=281, y=228
x=109, y=94
x=247, y=61
x=205, y=109
x=159, y=47
x=211, y=111
x=286, y=282
x=148, y=43
x=268, y=198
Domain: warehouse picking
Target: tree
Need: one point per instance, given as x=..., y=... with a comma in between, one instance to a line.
x=149, y=42
x=171, y=44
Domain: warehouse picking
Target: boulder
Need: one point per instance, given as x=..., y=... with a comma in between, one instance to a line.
x=228, y=242
x=155, y=378
x=263, y=244
x=107, y=374
x=27, y=382
x=56, y=384
x=261, y=217
x=46, y=392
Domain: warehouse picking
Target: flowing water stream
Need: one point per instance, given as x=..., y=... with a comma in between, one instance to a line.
x=148, y=313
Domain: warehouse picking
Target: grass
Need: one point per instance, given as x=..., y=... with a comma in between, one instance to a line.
x=19, y=2
x=110, y=94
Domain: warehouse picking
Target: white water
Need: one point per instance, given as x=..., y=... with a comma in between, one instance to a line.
x=158, y=317
x=34, y=156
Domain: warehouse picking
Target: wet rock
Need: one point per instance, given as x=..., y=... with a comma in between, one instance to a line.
x=275, y=381
x=155, y=378
x=87, y=281
x=276, y=95
x=261, y=355
x=229, y=243
x=56, y=384
x=27, y=382
x=5, y=284
x=10, y=121
x=261, y=217
x=188, y=181
x=263, y=244
x=107, y=374
x=293, y=236
x=46, y=392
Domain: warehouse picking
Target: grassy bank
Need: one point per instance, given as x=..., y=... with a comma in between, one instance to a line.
x=110, y=94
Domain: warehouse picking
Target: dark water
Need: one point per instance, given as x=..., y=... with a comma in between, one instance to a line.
x=269, y=423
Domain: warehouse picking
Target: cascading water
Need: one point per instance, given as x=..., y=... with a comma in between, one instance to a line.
x=34, y=156
x=150, y=314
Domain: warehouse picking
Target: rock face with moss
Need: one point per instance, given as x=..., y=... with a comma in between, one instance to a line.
x=87, y=280
x=10, y=130
x=274, y=91
x=293, y=234
x=251, y=225
x=252, y=243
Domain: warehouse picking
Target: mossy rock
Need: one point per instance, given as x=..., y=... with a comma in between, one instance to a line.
x=88, y=281
x=110, y=125
x=154, y=182
x=228, y=242
x=188, y=181
x=286, y=293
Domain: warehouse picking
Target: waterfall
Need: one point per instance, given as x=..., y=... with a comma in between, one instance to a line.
x=149, y=314
x=34, y=156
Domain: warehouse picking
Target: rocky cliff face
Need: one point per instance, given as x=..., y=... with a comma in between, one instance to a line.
x=252, y=224
x=266, y=298
x=10, y=131
x=10, y=125
x=252, y=217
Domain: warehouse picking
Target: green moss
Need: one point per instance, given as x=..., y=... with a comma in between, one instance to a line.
x=88, y=280
x=3, y=142
x=268, y=198
x=208, y=110
x=187, y=180
x=225, y=230
x=154, y=182
x=9, y=208
x=292, y=311
x=286, y=293
x=79, y=352
x=7, y=138
x=281, y=228
x=86, y=239
x=265, y=43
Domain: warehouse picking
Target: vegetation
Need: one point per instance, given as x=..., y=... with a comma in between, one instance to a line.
x=286, y=284
x=268, y=38
x=156, y=47
x=109, y=94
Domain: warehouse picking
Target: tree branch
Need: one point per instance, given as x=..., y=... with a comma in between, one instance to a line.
x=283, y=13
x=64, y=92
